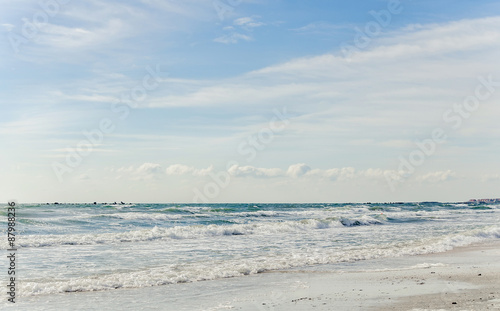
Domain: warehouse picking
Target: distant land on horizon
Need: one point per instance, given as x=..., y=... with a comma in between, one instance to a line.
x=497, y=200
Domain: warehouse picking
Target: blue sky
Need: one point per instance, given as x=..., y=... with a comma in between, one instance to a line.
x=258, y=102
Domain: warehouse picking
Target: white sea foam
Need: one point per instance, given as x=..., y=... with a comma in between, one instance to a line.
x=178, y=232
x=195, y=231
x=143, y=216
x=190, y=232
x=194, y=243
x=215, y=269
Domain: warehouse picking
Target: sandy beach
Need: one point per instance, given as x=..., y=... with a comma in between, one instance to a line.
x=462, y=279
x=470, y=282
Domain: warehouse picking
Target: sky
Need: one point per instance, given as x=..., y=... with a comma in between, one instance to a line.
x=249, y=100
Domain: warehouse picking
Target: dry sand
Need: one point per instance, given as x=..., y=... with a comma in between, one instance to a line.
x=462, y=279
x=472, y=282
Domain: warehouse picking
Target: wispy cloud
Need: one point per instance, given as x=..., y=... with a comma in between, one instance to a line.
x=7, y=27
x=248, y=22
x=67, y=38
x=320, y=28
x=97, y=28
x=332, y=78
x=241, y=30
x=233, y=38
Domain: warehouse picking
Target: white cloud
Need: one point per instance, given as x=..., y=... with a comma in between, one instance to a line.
x=435, y=177
x=349, y=173
x=103, y=27
x=435, y=39
x=90, y=36
x=304, y=171
x=243, y=171
x=298, y=170
x=149, y=168
x=379, y=99
x=149, y=171
x=337, y=80
x=294, y=171
x=361, y=111
x=247, y=22
x=181, y=169
x=146, y=171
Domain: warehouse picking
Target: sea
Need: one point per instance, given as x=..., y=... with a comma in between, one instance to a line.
x=67, y=248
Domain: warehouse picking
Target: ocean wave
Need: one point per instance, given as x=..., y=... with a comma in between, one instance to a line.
x=195, y=231
x=216, y=269
x=276, y=227
x=364, y=220
x=256, y=214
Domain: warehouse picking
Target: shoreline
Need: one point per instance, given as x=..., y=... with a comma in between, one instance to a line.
x=465, y=278
x=471, y=281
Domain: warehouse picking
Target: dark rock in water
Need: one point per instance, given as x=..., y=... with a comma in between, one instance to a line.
x=95, y=203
